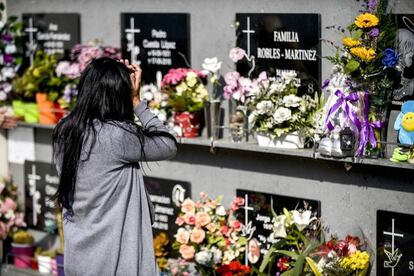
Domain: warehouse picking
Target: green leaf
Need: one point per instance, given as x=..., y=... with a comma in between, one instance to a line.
x=267, y=258
x=352, y=66
x=288, y=273
x=314, y=267
x=358, y=34
x=291, y=254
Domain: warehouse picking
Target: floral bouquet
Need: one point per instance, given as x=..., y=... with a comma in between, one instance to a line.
x=367, y=62
x=341, y=257
x=209, y=234
x=10, y=54
x=295, y=236
x=11, y=217
x=187, y=95
x=161, y=242
x=233, y=268
x=157, y=101
x=277, y=109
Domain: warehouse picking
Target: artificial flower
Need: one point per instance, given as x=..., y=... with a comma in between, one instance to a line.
x=291, y=101
x=221, y=211
x=374, y=32
x=357, y=261
x=279, y=229
x=236, y=225
x=350, y=42
x=212, y=227
x=365, y=54
x=202, y=219
x=187, y=251
x=211, y=64
x=283, y=264
x=264, y=107
x=217, y=254
x=10, y=49
x=282, y=114
x=197, y=235
x=189, y=218
x=237, y=54
x=302, y=219
x=288, y=76
x=366, y=20
x=390, y=58
x=191, y=79
x=182, y=236
x=188, y=206
x=231, y=78
x=203, y=257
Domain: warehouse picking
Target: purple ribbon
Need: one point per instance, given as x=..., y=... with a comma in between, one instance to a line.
x=343, y=101
x=368, y=131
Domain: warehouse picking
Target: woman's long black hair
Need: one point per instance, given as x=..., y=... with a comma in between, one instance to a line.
x=104, y=95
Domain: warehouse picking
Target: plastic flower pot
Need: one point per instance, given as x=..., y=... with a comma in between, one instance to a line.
x=23, y=254
x=187, y=124
x=59, y=261
x=31, y=113
x=44, y=264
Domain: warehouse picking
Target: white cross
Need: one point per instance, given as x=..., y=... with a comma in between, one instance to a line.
x=31, y=45
x=248, y=31
x=246, y=221
x=132, y=47
x=393, y=234
x=33, y=177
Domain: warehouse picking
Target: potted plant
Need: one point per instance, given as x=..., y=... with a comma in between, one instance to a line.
x=186, y=97
x=10, y=55
x=22, y=249
x=281, y=117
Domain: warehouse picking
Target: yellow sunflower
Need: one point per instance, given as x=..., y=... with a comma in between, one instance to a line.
x=366, y=54
x=366, y=20
x=350, y=42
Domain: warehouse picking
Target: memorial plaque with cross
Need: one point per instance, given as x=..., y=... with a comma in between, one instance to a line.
x=256, y=215
x=282, y=43
x=395, y=243
x=41, y=182
x=54, y=33
x=156, y=41
x=166, y=196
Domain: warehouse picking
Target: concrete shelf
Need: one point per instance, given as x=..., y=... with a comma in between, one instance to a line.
x=253, y=147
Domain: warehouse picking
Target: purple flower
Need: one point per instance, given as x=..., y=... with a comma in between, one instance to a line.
x=7, y=37
x=373, y=4
x=325, y=83
x=374, y=32
x=390, y=58
x=8, y=59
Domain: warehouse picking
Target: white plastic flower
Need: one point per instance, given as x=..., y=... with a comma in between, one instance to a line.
x=277, y=86
x=3, y=96
x=10, y=49
x=303, y=219
x=211, y=64
x=203, y=257
x=264, y=107
x=217, y=254
x=279, y=229
x=221, y=211
x=8, y=72
x=288, y=76
x=291, y=101
x=282, y=114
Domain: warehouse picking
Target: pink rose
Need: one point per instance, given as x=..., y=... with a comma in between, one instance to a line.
x=224, y=229
x=187, y=251
x=174, y=271
x=236, y=225
x=182, y=236
x=188, y=206
x=19, y=220
x=4, y=230
x=179, y=221
x=239, y=201
x=202, y=218
x=7, y=204
x=211, y=227
x=189, y=218
x=203, y=195
x=237, y=54
x=198, y=235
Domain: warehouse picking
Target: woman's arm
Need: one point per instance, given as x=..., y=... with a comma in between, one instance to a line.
x=155, y=144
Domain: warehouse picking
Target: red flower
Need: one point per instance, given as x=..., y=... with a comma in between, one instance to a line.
x=283, y=264
x=224, y=229
x=235, y=266
x=236, y=225
x=245, y=269
x=331, y=244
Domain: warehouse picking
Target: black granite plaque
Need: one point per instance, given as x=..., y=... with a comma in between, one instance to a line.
x=166, y=195
x=405, y=47
x=54, y=33
x=257, y=211
x=41, y=182
x=281, y=42
x=395, y=243
x=156, y=41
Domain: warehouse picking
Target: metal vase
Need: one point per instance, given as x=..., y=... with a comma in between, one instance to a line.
x=212, y=112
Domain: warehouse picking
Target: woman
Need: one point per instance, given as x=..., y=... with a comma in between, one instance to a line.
x=98, y=151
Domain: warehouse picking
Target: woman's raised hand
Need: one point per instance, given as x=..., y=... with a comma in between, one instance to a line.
x=135, y=75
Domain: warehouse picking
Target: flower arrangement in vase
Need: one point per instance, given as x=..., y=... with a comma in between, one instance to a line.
x=10, y=54
x=209, y=234
x=366, y=65
x=281, y=117
x=296, y=234
x=186, y=97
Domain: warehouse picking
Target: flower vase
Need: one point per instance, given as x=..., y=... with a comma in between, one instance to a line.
x=292, y=140
x=212, y=114
x=23, y=254
x=238, y=123
x=187, y=124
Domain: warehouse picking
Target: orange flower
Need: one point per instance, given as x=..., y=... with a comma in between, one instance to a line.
x=212, y=227
x=202, y=219
x=182, y=236
x=198, y=235
x=187, y=251
x=188, y=206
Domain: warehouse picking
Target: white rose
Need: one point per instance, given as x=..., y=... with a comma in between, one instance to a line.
x=217, y=255
x=221, y=211
x=282, y=114
x=291, y=101
x=203, y=257
x=264, y=107
x=211, y=64
x=10, y=49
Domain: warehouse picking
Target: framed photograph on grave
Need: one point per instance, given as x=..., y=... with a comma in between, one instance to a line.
x=41, y=183
x=156, y=41
x=395, y=243
x=282, y=42
x=53, y=33
x=257, y=211
x=166, y=196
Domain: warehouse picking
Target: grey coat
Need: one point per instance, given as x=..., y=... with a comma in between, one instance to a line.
x=110, y=231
